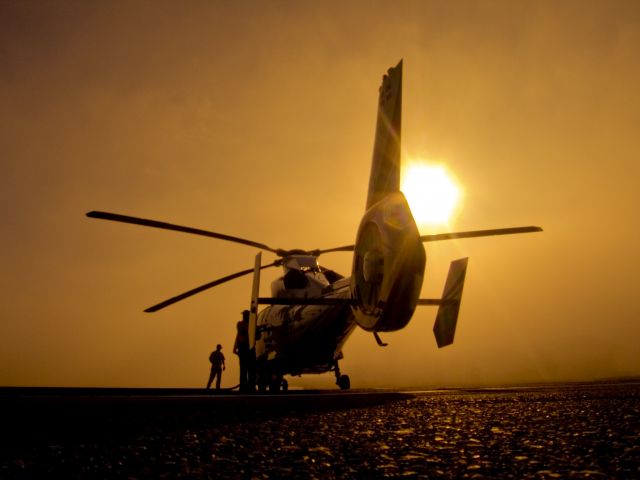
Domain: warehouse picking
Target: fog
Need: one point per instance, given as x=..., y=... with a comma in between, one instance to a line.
x=257, y=120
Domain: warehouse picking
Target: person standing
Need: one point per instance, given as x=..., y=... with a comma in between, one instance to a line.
x=217, y=366
x=241, y=348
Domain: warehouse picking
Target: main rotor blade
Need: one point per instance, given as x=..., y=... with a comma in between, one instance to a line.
x=206, y=286
x=479, y=233
x=178, y=228
x=346, y=248
x=450, y=236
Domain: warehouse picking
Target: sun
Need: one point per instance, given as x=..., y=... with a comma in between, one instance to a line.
x=431, y=193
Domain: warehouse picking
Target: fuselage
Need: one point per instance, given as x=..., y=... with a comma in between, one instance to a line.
x=298, y=339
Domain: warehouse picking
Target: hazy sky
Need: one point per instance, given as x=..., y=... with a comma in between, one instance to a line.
x=256, y=119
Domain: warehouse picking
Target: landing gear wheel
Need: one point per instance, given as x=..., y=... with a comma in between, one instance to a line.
x=344, y=382
x=278, y=384
x=263, y=382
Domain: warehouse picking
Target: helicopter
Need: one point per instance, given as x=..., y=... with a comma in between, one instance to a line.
x=312, y=310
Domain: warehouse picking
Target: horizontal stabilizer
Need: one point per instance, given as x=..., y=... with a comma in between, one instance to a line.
x=444, y=328
x=305, y=301
x=433, y=301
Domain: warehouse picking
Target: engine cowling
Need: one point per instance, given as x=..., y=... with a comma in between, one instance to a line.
x=388, y=266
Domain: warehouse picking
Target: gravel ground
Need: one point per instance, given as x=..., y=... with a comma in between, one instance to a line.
x=553, y=432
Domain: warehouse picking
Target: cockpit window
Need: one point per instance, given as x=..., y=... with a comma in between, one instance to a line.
x=305, y=263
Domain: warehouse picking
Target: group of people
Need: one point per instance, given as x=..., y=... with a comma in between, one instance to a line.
x=246, y=357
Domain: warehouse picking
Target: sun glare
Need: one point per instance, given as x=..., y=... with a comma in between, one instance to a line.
x=431, y=193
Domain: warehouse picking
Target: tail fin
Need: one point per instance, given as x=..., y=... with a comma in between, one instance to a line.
x=385, y=167
x=445, y=326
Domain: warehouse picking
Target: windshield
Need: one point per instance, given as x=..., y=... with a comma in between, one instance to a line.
x=306, y=263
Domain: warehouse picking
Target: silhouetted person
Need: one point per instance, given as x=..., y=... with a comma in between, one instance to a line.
x=246, y=355
x=217, y=366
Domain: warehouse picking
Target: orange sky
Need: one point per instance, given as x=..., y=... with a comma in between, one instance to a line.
x=257, y=121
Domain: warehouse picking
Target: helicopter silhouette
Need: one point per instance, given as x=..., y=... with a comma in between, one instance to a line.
x=312, y=310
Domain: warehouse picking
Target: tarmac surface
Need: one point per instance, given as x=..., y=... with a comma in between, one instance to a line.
x=558, y=431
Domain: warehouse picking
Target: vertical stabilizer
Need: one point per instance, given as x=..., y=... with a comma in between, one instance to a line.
x=385, y=167
x=444, y=328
